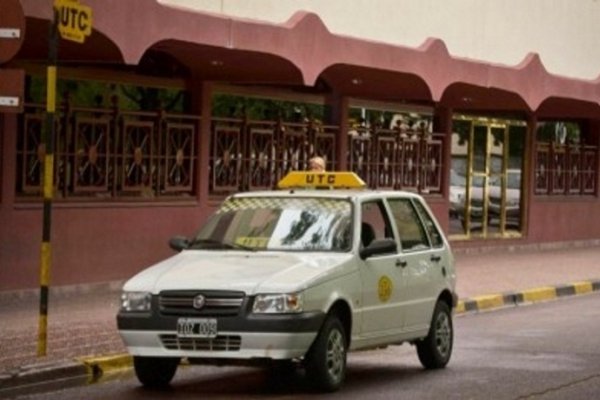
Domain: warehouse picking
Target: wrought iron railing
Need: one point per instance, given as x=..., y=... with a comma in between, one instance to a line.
x=114, y=154
x=568, y=169
x=254, y=155
x=397, y=160
x=107, y=153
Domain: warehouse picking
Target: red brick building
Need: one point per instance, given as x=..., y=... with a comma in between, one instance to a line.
x=162, y=112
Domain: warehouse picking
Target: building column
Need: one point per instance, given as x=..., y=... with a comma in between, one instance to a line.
x=442, y=123
x=528, y=176
x=8, y=159
x=340, y=109
x=202, y=105
x=594, y=130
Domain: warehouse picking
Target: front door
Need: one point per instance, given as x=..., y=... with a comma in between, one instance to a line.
x=381, y=278
x=487, y=168
x=485, y=188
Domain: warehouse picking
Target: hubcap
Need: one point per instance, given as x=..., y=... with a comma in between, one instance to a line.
x=335, y=355
x=443, y=335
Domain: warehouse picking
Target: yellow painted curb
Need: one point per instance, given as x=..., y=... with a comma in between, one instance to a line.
x=490, y=301
x=460, y=307
x=97, y=366
x=583, y=287
x=539, y=294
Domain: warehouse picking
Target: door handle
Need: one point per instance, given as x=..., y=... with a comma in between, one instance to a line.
x=435, y=258
x=401, y=263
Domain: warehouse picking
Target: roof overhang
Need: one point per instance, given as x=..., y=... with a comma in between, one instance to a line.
x=302, y=52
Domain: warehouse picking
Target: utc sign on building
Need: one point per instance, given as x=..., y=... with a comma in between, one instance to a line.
x=74, y=20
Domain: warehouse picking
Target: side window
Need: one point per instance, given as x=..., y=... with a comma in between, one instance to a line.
x=411, y=231
x=434, y=234
x=375, y=223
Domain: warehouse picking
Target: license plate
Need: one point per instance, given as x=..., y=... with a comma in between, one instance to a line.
x=197, y=327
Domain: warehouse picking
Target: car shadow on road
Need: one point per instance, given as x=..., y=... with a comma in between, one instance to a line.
x=246, y=383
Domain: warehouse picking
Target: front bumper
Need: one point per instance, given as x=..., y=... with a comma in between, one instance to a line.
x=252, y=345
x=245, y=336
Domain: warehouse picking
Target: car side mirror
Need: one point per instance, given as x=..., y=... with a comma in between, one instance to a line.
x=379, y=246
x=179, y=243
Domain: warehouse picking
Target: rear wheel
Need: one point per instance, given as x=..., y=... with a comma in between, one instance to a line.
x=435, y=350
x=326, y=359
x=155, y=372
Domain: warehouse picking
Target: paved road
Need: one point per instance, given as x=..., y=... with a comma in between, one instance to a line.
x=546, y=351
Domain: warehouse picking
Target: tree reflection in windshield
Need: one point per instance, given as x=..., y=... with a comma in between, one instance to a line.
x=310, y=224
x=300, y=227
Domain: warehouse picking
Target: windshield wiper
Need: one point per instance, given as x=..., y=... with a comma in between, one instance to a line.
x=220, y=244
x=199, y=242
x=238, y=246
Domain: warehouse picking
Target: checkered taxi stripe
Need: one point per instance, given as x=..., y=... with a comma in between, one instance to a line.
x=274, y=203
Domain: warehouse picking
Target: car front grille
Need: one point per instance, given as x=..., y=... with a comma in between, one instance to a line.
x=220, y=343
x=217, y=303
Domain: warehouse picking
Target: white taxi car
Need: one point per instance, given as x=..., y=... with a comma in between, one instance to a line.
x=296, y=277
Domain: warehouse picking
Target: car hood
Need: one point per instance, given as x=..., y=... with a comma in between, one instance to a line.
x=248, y=272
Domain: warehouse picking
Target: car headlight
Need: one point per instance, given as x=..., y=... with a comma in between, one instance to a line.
x=136, y=301
x=285, y=303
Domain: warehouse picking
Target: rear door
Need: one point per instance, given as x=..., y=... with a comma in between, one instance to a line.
x=420, y=261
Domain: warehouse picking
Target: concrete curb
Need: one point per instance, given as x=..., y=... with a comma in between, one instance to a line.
x=34, y=373
x=92, y=369
x=535, y=295
x=83, y=370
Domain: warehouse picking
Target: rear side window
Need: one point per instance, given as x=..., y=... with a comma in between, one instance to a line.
x=375, y=223
x=434, y=234
x=412, y=233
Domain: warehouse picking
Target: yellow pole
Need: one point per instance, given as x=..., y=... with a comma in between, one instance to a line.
x=48, y=188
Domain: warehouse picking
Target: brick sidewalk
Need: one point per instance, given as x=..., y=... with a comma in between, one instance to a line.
x=78, y=325
x=504, y=271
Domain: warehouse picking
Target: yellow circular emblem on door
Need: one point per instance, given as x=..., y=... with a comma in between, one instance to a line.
x=385, y=288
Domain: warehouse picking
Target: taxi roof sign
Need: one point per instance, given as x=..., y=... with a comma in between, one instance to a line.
x=331, y=180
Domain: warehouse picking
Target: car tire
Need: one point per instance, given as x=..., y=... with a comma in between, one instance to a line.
x=325, y=362
x=434, y=351
x=155, y=372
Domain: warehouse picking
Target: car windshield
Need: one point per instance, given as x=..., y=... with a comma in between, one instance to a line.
x=279, y=224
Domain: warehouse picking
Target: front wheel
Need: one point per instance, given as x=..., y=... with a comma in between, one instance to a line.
x=155, y=372
x=435, y=350
x=326, y=359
